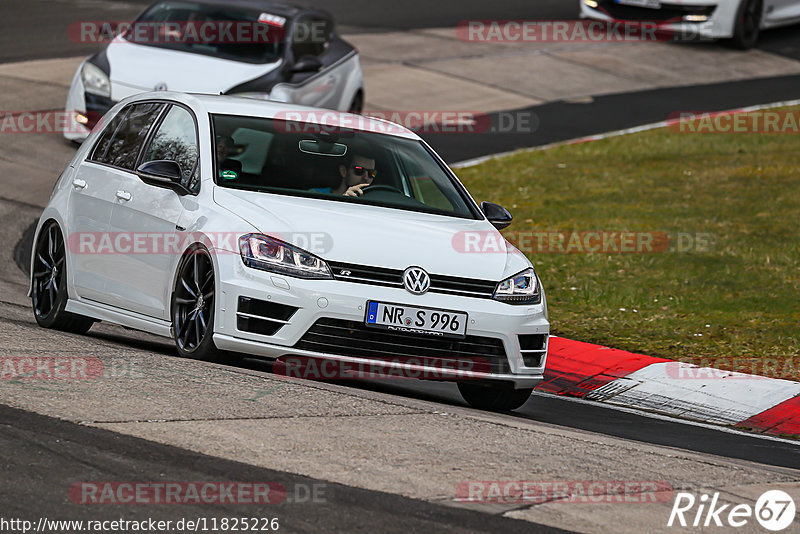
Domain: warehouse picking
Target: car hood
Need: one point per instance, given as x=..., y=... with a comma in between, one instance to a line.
x=136, y=68
x=374, y=236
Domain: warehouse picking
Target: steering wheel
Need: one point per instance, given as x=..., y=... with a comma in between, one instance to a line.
x=378, y=188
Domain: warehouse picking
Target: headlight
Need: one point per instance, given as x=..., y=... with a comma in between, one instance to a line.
x=270, y=254
x=522, y=288
x=95, y=81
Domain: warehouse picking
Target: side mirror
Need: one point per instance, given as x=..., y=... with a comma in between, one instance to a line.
x=497, y=215
x=307, y=64
x=162, y=173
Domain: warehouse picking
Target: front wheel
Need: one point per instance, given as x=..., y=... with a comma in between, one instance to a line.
x=748, y=24
x=193, y=307
x=49, y=288
x=499, y=397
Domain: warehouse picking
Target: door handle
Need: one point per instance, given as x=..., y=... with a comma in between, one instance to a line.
x=124, y=195
x=77, y=183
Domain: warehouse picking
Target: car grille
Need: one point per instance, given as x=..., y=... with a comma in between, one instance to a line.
x=448, y=285
x=354, y=339
x=667, y=11
x=262, y=317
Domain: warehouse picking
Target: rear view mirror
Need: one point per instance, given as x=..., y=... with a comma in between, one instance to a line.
x=162, y=173
x=307, y=64
x=497, y=215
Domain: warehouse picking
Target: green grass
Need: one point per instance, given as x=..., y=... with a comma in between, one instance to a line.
x=735, y=305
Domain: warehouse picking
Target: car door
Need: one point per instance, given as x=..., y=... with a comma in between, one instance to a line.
x=150, y=215
x=310, y=38
x=91, y=201
x=95, y=247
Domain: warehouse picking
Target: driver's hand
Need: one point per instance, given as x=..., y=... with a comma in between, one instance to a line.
x=355, y=191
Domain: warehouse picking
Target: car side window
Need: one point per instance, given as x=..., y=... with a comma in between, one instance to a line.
x=122, y=150
x=310, y=37
x=176, y=140
x=104, y=141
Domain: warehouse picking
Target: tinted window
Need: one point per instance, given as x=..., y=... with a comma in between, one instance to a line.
x=121, y=140
x=310, y=37
x=176, y=140
x=104, y=141
x=228, y=32
x=299, y=159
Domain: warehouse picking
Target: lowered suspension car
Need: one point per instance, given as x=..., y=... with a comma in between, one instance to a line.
x=242, y=226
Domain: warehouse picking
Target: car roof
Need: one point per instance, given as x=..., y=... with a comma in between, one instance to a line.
x=252, y=107
x=274, y=8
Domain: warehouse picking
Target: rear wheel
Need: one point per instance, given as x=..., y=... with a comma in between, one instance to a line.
x=500, y=397
x=748, y=24
x=193, y=307
x=49, y=288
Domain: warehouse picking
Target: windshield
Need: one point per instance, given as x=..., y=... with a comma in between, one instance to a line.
x=271, y=156
x=249, y=36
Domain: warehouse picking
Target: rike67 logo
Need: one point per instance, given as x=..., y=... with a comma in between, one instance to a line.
x=774, y=510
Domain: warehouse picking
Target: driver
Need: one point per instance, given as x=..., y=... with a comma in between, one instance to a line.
x=358, y=174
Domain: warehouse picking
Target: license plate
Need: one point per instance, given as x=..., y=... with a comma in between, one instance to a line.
x=414, y=320
x=650, y=4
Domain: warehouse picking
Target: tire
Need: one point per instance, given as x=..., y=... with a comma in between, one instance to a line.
x=499, y=397
x=193, y=307
x=49, y=288
x=357, y=105
x=747, y=27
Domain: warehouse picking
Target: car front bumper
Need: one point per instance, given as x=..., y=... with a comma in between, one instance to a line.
x=676, y=19
x=344, y=303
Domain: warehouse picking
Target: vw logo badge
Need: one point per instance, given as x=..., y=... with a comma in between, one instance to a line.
x=416, y=280
x=161, y=86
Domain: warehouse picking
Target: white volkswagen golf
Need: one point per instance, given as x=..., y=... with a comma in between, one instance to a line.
x=234, y=225
x=252, y=48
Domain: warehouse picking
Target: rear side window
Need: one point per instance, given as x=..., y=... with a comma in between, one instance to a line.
x=176, y=140
x=122, y=147
x=104, y=141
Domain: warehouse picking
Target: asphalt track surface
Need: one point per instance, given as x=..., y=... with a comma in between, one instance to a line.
x=47, y=454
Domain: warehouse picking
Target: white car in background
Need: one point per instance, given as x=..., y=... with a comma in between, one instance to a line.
x=741, y=21
x=210, y=46
x=194, y=217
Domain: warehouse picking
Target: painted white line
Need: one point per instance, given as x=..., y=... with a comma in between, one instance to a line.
x=667, y=418
x=615, y=133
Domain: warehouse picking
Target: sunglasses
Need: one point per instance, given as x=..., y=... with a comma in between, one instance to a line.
x=359, y=171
